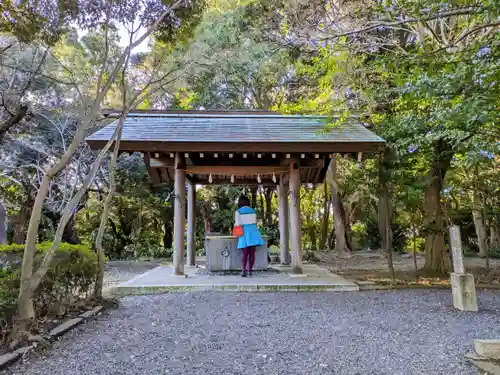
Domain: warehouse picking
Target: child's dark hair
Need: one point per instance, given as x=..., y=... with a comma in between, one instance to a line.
x=243, y=201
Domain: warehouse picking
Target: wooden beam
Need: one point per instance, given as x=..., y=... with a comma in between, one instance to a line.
x=152, y=172
x=161, y=162
x=235, y=169
x=237, y=182
x=190, y=179
x=246, y=147
x=164, y=175
x=306, y=163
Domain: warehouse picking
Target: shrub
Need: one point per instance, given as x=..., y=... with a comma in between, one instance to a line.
x=274, y=250
x=495, y=253
x=153, y=251
x=70, y=279
x=273, y=232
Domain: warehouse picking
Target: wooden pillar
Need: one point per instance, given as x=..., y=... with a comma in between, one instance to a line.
x=295, y=237
x=191, y=231
x=179, y=214
x=283, y=221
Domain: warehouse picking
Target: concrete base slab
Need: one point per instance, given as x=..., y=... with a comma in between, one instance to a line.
x=297, y=275
x=180, y=276
x=161, y=280
x=485, y=366
x=487, y=348
x=464, y=291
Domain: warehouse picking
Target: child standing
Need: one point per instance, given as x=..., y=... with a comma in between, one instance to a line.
x=246, y=217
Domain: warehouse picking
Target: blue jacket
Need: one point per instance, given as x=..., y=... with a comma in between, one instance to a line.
x=251, y=234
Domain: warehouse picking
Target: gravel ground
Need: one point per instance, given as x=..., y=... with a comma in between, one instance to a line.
x=393, y=332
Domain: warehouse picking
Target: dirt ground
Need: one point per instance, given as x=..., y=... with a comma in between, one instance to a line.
x=373, y=266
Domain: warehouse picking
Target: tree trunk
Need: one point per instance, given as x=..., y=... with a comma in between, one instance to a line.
x=70, y=234
x=30, y=282
x=262, y=207
x=206, y=213
x=436, y=260
x=341, y=242
x=101, y=257
x=167, y=237
x=253, y=191
x=21, y=220
x=385, y=208
x=494, y=235
x=3, y=225
x=414, y=237
x=268, y=195
x=29, y=279
x=312, y=234
x=477, y=216
x=168, y=227
x=331, y=238
x=326, y=217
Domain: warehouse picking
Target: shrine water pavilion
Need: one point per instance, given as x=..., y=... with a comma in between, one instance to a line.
x=237, y=148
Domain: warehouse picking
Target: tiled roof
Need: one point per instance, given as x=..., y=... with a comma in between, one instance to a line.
x=204, y=127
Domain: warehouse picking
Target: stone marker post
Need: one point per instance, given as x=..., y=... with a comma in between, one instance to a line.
x=462, y=284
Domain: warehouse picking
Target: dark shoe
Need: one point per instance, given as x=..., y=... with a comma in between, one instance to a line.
x=243, y=274
x=250, y=273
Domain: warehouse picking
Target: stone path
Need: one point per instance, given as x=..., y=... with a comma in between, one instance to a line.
x=400, y=332
x=161, y=279
x=118, y=271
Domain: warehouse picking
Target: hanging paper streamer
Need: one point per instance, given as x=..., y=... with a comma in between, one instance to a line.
x=232, y=179
x=210, y=178
x=274, y=178
x=258, y=179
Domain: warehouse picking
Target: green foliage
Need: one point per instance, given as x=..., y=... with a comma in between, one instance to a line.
x=70, y=279
x=149, y=251
x=273, y=232
x=419, y=244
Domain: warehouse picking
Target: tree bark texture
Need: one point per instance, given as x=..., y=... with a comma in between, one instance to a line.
x=21, y=220
x=206, y=213
x=30, y=279
x=341, y=242
x=168, y=227
x=326, y=217
x=268, y=195
x=479, y=224
x=253, y=191
x=494, y=235
x=69, y=234
x=385, y=208
x=3, y=225
x=30, y=282
x=436, y=260
x=101, y=257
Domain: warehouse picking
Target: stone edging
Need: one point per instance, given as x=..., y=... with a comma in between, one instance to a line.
x=11, y=357
x=364, y=286
x=486, y=356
